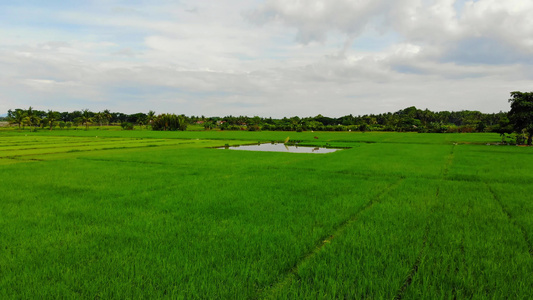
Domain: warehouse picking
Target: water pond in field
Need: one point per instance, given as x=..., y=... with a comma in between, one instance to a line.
x=283, y=148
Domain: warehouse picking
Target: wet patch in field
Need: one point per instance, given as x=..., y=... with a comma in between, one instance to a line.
x=282, y=148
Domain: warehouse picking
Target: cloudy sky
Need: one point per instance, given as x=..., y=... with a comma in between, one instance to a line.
x=268, y=58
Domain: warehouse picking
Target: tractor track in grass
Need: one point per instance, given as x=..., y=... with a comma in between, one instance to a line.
x=463, y=254
x=449, y=162
x=456, y=271
x=414, y=269
x=512, y=219
x=277, y=286
x=409, y=279
x=124, y=161
x=293, y=272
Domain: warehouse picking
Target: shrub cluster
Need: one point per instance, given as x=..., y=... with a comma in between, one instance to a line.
x=169, y=122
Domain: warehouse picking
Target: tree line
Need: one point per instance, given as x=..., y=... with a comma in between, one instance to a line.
x=35, y=119
x=408, y=119
x=519, y=120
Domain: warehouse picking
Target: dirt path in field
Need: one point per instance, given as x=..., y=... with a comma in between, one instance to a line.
x=512, y=219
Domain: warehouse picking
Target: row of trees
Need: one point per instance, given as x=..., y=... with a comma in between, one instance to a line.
x=36, y=118
x=50, y=119
x=409, y=119
x=105, y=117
x=518, y=120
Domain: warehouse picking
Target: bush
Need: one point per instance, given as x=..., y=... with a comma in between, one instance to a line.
x=126, y=125
x=268, y=127
x=352, y=128
x=254, y=128
x=169, y=122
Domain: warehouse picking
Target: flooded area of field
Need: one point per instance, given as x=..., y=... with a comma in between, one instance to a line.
x=282, y=148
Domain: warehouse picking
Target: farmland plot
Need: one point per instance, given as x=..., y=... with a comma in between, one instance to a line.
x=165, y=215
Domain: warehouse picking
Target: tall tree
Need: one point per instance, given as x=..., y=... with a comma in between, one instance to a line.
x=172, y=122
x=16, y=117
x=99, y=118
x=31, y=118
x=107, y=116
x=150, y=117
x=86, y=118
x=521, y=113
x=52, y=117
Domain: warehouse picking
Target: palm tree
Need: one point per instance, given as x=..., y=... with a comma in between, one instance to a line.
x=26, y=121
x=150, y=117
x=52, y=116
x=31, y=119
x=171, y=122
x=107, y=116
x=99, y=117
x=18, y=117
x=86, y=118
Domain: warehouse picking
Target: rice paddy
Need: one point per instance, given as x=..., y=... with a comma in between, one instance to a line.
x=141, y=214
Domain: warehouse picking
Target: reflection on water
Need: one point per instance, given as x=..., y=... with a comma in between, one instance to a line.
x=282, y=148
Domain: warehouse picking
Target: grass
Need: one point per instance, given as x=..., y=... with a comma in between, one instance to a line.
x=141, y=214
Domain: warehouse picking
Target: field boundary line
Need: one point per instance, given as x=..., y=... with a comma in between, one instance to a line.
x=123, y=161
x=449, y=162
x=20, y=159
x=512, y=219
x=78, y=151
x=414, y=269
x=277, y=286
x=432, y=207
x=79, y=144
x=462, y=251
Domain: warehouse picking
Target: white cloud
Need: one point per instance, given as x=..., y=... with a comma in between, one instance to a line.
x=430, y=24
x=272, y=58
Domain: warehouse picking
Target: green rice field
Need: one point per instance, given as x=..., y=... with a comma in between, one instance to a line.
x=104, y=214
